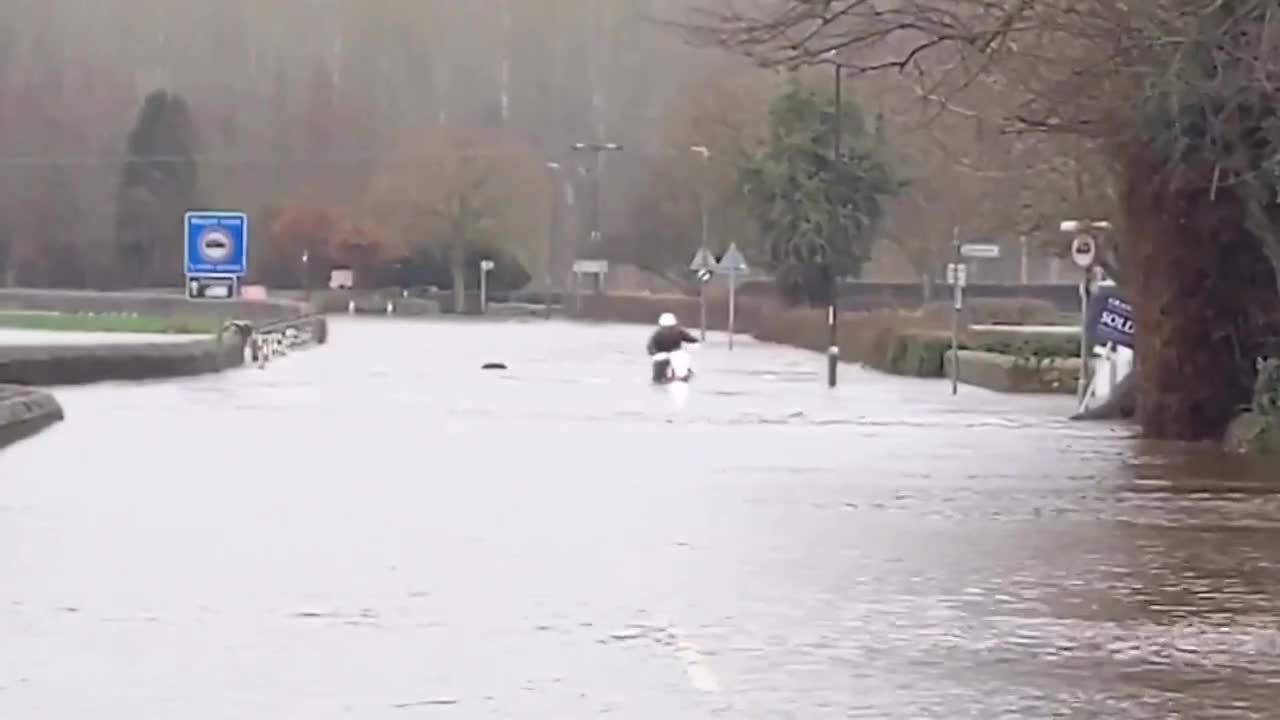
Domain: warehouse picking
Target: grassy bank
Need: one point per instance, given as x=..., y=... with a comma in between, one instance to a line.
x=116, y=323
x=902, y=343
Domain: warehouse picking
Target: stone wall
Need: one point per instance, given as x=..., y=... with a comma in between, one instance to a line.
x=368, y=302
x=25, y=412
x=78, y=364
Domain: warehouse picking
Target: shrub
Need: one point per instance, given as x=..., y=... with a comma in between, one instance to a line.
x=996, y=311
x=1024, y=344
x=919, y=353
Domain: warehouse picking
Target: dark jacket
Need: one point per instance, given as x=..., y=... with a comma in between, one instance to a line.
x=667, y=340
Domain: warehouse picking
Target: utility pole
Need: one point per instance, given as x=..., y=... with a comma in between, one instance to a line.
x=833, y=279
x=705, y=152
x=552, y=222
x=306, y=274
x=597, y=149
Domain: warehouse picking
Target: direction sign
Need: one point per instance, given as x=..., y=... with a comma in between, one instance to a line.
x=733, y=261
x=211, y=287
x=702, y=260
x=1083, y=250
x=217, y=243
x=983, y=251
x=591, y=267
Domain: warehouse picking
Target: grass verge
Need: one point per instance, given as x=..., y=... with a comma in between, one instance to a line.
x=107, y=323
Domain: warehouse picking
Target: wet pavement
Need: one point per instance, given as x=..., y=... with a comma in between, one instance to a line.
x=379, y=529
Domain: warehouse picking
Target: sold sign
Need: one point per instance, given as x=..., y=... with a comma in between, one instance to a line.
x=1115, y=323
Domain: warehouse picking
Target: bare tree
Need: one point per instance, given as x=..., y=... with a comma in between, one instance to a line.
x=1180, y=94
x=456, y=192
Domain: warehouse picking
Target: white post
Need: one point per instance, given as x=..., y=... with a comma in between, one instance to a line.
x=733, y=285
x=702, y=309
x=1025, y=270
x=1082, y=384
x=484, y=289
x=957, y=306
x=1111, y=363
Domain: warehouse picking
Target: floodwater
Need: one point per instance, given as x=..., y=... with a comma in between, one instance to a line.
x=379, y=529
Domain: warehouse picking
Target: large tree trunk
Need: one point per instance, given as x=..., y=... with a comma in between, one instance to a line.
x=1204, y=294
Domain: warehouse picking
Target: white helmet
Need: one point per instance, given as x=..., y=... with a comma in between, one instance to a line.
x=667, y=320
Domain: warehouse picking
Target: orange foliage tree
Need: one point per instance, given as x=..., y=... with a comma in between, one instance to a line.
x=327, y=237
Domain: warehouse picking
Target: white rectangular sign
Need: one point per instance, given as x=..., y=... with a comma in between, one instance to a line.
x=591, y=267
x=980, y=250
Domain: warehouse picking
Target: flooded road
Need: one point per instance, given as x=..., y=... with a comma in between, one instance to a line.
x=379, y=529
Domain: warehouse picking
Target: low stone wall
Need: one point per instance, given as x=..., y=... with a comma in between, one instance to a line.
x=1006, y=373
x=25, y=412
x=645, y=309
x=79, y=364
x=367, y=302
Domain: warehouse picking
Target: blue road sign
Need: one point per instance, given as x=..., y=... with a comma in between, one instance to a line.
x=217, y=243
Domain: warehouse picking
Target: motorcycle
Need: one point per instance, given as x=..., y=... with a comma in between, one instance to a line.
x=672, y=367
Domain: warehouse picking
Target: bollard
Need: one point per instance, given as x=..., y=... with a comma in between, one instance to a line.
x=391, y=308
x=351, y=307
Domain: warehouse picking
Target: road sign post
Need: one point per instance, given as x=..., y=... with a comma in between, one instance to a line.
x=733, y=264
x=704, y=264
x=733, y=304
x=597, y=268
x=1084, y=253
x=215, y=253
x=956, y=274
x=485, y=267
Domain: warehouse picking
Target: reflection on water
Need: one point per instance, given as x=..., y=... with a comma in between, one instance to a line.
x=379, y=528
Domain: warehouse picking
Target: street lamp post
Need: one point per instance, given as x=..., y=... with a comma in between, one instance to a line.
x=833, y=280
x=705, y=152
x=306, y=274
x=1086, y=264
x=554, y=167
x=596, y=149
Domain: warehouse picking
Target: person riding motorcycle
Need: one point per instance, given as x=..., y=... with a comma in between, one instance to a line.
x=669, y=337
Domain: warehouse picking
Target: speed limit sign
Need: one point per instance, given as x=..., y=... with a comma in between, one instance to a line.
x=1084, y=250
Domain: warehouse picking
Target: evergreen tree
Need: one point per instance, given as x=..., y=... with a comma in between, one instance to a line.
x=158, y=184
x=818, y=216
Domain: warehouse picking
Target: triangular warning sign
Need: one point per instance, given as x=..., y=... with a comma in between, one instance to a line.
x=702, y=260
x=733, y=260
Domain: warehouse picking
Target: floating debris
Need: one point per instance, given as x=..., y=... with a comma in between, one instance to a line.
x=426, y=703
